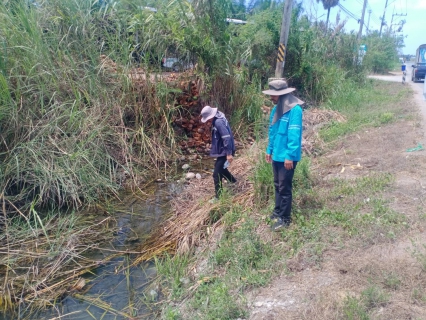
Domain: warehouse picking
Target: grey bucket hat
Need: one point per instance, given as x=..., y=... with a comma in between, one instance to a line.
x=278, y=88
x=207, y=113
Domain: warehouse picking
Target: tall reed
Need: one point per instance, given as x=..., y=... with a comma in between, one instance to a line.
x=73, y=127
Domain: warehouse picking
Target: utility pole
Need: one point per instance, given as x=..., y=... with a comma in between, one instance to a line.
x=398, y=15
x=383, y=19
x=368, y=23
x=390, y=27
x=361, y=23
x=285, y=29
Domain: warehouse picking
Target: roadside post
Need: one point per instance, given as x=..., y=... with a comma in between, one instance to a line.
x=362, y=51
x=285, y=29
x=424, y=89
x=404, y=72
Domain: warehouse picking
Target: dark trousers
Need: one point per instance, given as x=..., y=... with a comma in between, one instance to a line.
x=219, y=173
x=283, y=183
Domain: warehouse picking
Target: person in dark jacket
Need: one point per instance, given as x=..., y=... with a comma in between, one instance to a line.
x=223, y=146
x=284, y=148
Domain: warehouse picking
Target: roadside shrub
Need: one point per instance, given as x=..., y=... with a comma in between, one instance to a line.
x=381, y=53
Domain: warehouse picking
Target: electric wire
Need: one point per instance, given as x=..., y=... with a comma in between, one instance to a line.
x=348, y=12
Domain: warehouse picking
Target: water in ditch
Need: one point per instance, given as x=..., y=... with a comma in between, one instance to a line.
x=117, y=290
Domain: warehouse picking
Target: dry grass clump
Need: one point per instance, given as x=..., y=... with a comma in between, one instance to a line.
x=313, y=120
x=191, y=217
x=43, y=259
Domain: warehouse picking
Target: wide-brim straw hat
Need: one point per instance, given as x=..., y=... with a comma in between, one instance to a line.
x=278, y=88
x=207, y=113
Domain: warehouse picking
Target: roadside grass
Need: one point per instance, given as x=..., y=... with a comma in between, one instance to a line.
x=174, y=273
x=359, y=308
x=245, y=259
x=371, y=105
x=419, y=253
x=338, y=213
x=241, y=260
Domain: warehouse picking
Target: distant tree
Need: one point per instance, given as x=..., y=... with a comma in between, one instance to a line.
x=328, y=4
x=261, y=5
x=238, y=9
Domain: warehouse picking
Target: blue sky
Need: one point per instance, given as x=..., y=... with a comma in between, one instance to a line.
x=415, y=11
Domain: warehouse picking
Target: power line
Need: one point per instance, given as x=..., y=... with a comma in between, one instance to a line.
x=373, y=15
x=348, y=12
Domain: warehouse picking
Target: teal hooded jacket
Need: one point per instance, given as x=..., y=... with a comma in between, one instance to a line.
x=285, y=135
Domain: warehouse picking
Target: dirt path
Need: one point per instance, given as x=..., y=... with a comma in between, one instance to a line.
x=315, y=291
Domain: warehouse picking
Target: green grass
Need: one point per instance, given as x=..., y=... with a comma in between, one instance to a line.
x=173, y=272
x=214, y=300
x=359, y=308
x=170, y=313
x=369, y=105
x=392, y=281
x=242, y=260
x=242, y=253
x=374, y=297
x=353, y=309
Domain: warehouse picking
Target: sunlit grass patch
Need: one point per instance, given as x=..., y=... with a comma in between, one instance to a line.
x=173, y=273
x=386, y=117
x=392, y=280
x=360, y=307
x=217, y=299
x=353, y=309
x=242, y=253
x=365, y=106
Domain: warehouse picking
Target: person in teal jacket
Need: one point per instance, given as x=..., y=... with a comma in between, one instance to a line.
x=284, y=148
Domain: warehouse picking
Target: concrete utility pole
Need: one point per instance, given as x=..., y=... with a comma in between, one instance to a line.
x=285, y=29
x=383, y=19
x=361, y=23
x=368, y=23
